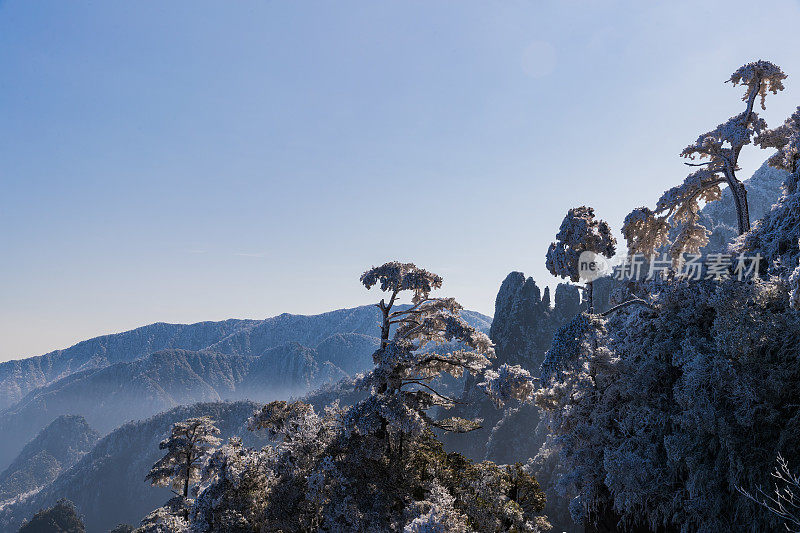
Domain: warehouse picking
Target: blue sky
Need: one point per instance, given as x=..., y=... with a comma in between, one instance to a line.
x=187, y=161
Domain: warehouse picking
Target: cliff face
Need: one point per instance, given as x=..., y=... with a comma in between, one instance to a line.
x=522, y=329
x=521, y=322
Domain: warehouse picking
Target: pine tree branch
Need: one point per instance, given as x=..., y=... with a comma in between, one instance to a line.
x=626, y=304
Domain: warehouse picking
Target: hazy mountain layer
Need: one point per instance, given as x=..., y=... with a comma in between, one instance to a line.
x=247, y=364
x=17, y=378
x=239, y=337
x=107, y=484
x=56, y=448
x=138, y=389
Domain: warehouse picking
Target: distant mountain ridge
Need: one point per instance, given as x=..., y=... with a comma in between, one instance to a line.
x=113, y=379
x=18, y=377
x=233, y=336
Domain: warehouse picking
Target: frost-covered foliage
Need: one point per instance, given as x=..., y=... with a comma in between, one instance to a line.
x=760, y=77
x=571, y=341
x=786, y=139
x=776, y=235
x=646, y=230
x=187, y=447
x=235, y=481
x=784, y=500
x=395, y=277
x=508, y=383
x=579, y=232
x=718, y=151
x=375, y=466
x=438, y=515
x=166, y=519
x=61, y=518
x=660, y=414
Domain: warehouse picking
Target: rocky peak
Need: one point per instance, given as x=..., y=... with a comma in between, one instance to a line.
x=520, y=316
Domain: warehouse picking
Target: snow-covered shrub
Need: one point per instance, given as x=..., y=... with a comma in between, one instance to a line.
x=166, y=519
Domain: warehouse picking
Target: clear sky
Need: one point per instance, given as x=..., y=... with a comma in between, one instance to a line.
x=187, y=161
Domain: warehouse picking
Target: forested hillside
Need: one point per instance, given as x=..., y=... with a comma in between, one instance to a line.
x=56, y=448
x=107, y=484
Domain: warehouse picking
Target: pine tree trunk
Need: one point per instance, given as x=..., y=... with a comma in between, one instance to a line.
x=384, y=326
x=739, y=193
x=743, y=211
x=188, y=472
x=186, y=486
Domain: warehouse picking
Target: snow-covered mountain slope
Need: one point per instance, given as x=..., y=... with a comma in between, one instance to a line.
x=108, y=397
x=107, y=484
x=352, y=352
x=56, y=448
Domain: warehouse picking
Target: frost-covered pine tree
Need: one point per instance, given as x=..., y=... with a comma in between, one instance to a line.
x=188, y=445
x=403, y=378
x=377, y=465
x=717, y=152
x=579, y=232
